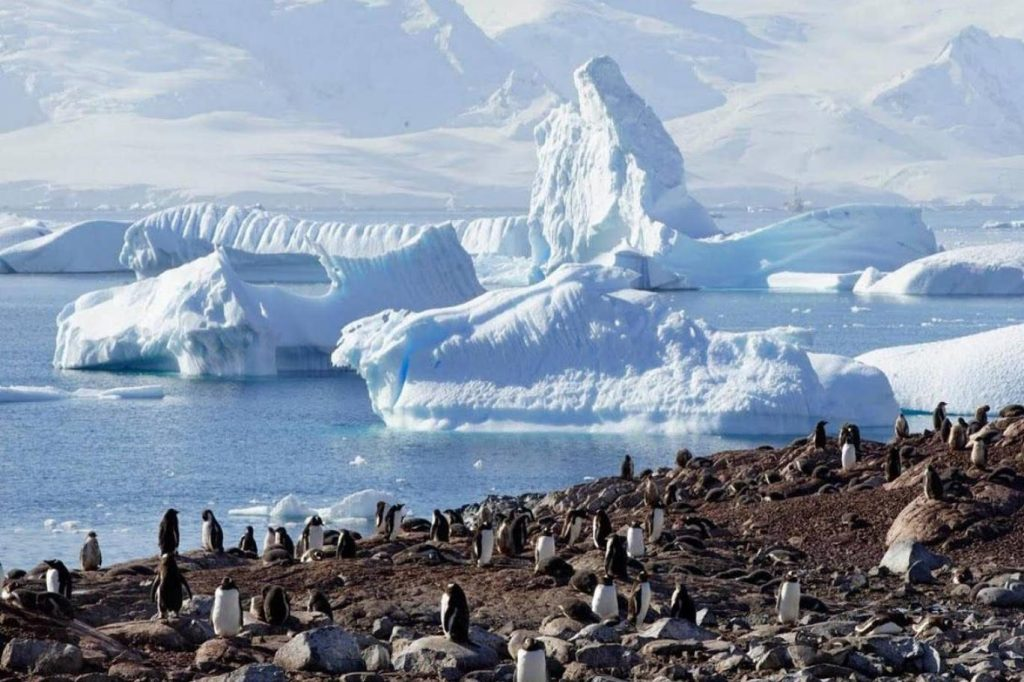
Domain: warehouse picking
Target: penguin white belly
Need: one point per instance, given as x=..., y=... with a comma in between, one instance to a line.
x=849, y=456
x=978, y=454
x=606, y=602
x=486, y=547
x=316, y=537
x=268, y=539
x=645, y=604
x=52, y=580
x=226, y=614
x=635, y=542
x=444, y=612
x=208, y=535
x=789, y=603
x=545, y=548
x=657, y=523
x=531, y=666
x=397, y=527
x=575, y=530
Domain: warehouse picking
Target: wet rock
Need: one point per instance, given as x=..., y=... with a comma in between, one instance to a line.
x=438, y=656
x=147, y=634
x=328, y=650
x=41, y=657
x=675, y=628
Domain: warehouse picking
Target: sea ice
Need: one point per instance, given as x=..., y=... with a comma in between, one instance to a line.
x=24, y=394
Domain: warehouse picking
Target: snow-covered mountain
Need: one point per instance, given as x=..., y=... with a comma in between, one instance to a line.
x=431, y=103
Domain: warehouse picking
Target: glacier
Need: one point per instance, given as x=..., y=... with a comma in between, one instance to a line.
x=584, y=350
x=89, y=246
x=989, y=270
x=203, y=319
x=965, y=372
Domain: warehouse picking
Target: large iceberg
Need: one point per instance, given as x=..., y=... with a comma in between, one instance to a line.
x=90, y=246
x=989, y=270
x=964, y=372
x=202, y=319
x=583, y=350
x=15, y=229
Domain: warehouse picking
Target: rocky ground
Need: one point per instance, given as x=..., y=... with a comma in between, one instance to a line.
x=895, y=585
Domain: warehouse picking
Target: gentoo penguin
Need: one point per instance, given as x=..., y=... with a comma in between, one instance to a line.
x=649, y=491
x=606, y=599
x=483, y=544
x=393, y=521
x=531, y=662
x=275, y=605
x=521, y=531
x=317, y=602
x=938, y=416
x=848, y=456
x=572, y=526
x=683, y=457
x=58, y=578
x=169, y=536
x=850, y=433
x=312, y=537
x=957, y=440
x=440, y=530
x=380, y=516
x=269, y=538
x=635, y=541
x=247, y=543
x=655, y=522
x=454, y=517
x=226, y=615
x=901, y=429
x=90, y=555
x=681, y=606
x=979, y=453
x=346, y=546
x=893, y=465
x=213, y=534
x=671, y=494
x=544, y=547
x=615, y=558
x=284, y=541
x=49, y=603
x=932, y=484
x=945, y=429
x=981, y=415
x=485, y=516
x=504, y=539
x=169, y=588
x=455, y=614
x=789, y=599
x=602, y=528
x=627, y=469
x=820, y=438
x=640, y=600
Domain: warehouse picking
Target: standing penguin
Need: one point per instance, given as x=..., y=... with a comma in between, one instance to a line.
x=247, y=543
x=615, y=558
x=169, y=536
x=848, y=456
x=283, y=540
x=169, y=588
x=531, y=662
x=346, y=546
x=213, y=534
x=606, y=599
x=979, y=453
x=602, y=528
x=572, y=526
x=957, y=440
x=789, y=599
x=483, y=544
x=521, y=531
x=820, y=438
x=938, y=416
x=544, y=547
x=681, y=605
x=635, y=541
x=901, y=429
x=393, y=521
x=317, y=602
x=504, y=539
x=626, y=472
x=455, y=614
x=90, y=555
x=945, y=430
x=58, y=578
x=380, y=516
x=655, y=522
x=893, y=465
x=932, y=484
x=312, y=537
x=226, y=614
x=269, y=538
x=981, y=415
x=850, y=433
x=275, y=605
x=640, y=600
x=440, y=530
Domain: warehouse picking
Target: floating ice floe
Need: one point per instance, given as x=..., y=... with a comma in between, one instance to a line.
x=202, y=319
x=360, y=505
x=964, y=372
x=90, y=246
x=989, y=270
x=1003, y=225
x=28, y=394
x=584, y=350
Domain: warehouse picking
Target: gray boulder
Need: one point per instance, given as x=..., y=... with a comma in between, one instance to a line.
x=147, y=634
x=905, y=553
x=41, y=657
x=325, y=650
x=1000, y=597
x=438, y=656
x=607, y=657
x=257, y=672
x=675, y=628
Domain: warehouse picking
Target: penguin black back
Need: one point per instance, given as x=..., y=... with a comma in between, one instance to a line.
x=602, y=528
x=893, y=465
x=820, y=437
x=615, y=557
x=63, y=577
x=318, y=602
x=682, y=605
x=440, y=531
x=170, y=587
x=938, y=416
x=626, y=471
x=933, y=489
x=216, y=533
x=169, y=535
x=455, y=614
x=247, y=543
x=275, y=605
x=346, y=546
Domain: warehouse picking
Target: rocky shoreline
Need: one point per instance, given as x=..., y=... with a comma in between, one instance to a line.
x=895, y=585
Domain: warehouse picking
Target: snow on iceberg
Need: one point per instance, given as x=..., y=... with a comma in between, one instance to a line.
x=202, y=319
x=964, y=372
x=989, y=270
x=583, y=350
x=608, y=174
x=30, y=394
x=90, y=246
x=15, y=229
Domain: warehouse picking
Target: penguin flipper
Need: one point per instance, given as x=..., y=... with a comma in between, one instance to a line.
x=185, y=587
x=240, y=621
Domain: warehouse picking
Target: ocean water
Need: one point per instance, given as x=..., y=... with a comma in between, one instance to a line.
x=114, y=466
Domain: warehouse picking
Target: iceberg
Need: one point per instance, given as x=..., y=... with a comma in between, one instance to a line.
x=989, y=270
x=583, y=350
x=354, y=508
x=202, y=319
x=964, y=372
x=90, y=246
x=15, y=229
x=31, y=394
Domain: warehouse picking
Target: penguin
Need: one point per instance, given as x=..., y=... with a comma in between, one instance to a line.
x=893, y=465
x=572, y=526
x=957, y=440
x=213, y=534
x=979, y=453
x=649, y=490
x=981, y=415
x=635, y=541
x=90, y=555
x=938, y=416
x=531, y=662
x=58, y=578
x=284, y=541
x=276, y=610
x=455, y=614
x=454, y=517
x=615, y=559
x=380, y=516
x=683, y=457
x=850, y=433
x=346, y=546
x=312, y=534
x=393, y=521
x=49, y=603
x=247, y=543
x=788, y=601
x=820, y=438
x=606, y=599
x=640, y=600
x=483, y=544
x=521, y=531
x=169, y=588
x=485, y=516
x=932, y=484
x=503, y=538
x=318, y=603
x=671, y=494
x=602, y=528
x=901, y=429
x=655, y=522
x=169, y=536
x=848, y=456
x=626, y=472
x=269, y=538
x=681, y=605
x=944, y=430
x=440, y=530
x=544, y=547
x=226, y=614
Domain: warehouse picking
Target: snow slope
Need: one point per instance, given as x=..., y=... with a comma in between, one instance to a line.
x=90, y=246
x=964, y=372
x=582, y=350
x=990, y=270
x=202, y=319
